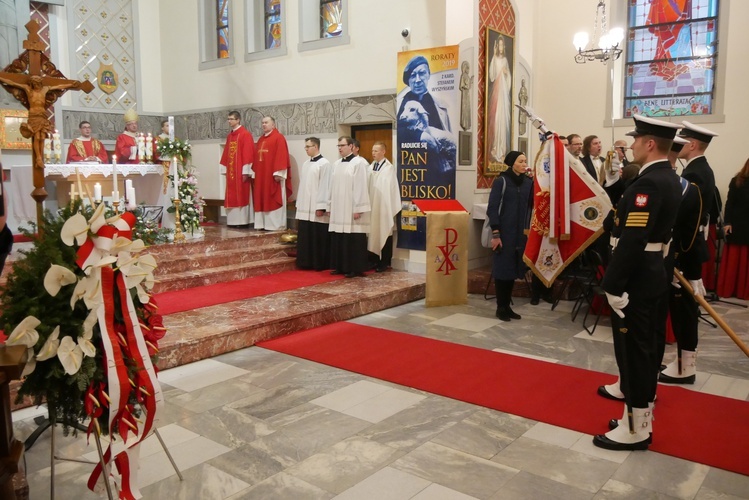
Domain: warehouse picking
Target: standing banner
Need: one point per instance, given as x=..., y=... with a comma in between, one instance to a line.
x=427, y=122
x=569, y=207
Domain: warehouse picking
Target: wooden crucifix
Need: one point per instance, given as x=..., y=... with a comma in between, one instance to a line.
x=35, y=81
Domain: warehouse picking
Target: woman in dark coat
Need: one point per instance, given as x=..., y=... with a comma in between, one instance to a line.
x=509, y=209
x=733, y=277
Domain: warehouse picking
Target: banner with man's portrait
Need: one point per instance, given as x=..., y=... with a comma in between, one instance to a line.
x=498, y=111
x=427, y=134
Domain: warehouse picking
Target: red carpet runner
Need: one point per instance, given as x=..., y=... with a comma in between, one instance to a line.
x=699, y=427
x=221, y=293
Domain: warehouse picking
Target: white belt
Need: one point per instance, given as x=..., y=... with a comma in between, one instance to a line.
x=650, y=247
x=654, y=247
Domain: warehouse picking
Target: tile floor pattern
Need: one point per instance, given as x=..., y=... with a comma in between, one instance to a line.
x=255, y=424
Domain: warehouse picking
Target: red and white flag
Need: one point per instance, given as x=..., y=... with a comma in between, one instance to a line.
x=569, y=207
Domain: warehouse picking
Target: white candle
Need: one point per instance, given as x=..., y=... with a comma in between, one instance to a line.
x=171, y=129
x=128, y=184
x=149, y=147
x=47, y=149
x=115, y=195
x=174, y=173
x=56, y=144
x=114, y=174
x=131, y=204
x=97, y=192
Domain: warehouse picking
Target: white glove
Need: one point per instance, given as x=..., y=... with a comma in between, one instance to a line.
x=675, y=282
x=698, y=287
x=613, y=174
x=706, y=231
x=617, y=303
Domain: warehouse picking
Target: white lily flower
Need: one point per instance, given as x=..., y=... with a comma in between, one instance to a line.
x=134, y=275
x=79, y=292
x=56, y=278
x=137, y=246
x=147, y=261
x=86, y=346
x=143, y=297
x=88, y=324
x=25, y=333
x=70, y=355
x=49, y=349
x=74, y=229
x=149, y=281
x=93, y=291
x=97, y=220
x=30, y=363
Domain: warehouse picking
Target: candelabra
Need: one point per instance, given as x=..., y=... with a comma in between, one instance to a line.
x=179, y=237
x=607, y=42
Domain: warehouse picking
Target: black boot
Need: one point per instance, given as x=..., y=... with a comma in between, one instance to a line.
x=503, y=289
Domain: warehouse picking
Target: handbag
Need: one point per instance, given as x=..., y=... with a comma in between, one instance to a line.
x=486, y=231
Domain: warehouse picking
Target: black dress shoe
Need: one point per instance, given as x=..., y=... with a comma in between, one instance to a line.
x=513, y=314
x=535, y=301
x=547, y=298
x=614, y=423
x=602, y=441
x=381, y=269
x=352, y=275
x=336, y=272
x=503, y=314
x=603, y=392
x=666, y=379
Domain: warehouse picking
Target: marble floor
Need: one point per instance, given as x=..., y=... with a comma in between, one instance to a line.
x=256, y=424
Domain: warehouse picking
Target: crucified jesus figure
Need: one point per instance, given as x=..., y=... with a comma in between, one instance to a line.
x=37, y=126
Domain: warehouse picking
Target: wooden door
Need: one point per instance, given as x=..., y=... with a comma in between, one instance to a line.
x=369, y=134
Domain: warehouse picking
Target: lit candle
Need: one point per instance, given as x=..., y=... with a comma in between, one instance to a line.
x=97, y=192
x=141, y=143
x=174, y=173
x=114, y=173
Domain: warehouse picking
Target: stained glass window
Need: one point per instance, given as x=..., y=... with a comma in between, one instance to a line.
x=672, y=50
x=331, y=24
x=222, y=28
x=272, y=24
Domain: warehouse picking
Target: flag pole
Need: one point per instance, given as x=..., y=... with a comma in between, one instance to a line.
x=718, y=319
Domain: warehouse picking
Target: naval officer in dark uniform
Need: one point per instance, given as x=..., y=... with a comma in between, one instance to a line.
x=683, y=369
x=635, y=281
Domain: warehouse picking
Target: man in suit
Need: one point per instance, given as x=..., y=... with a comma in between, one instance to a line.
x=635, y=281
x=575, y=145
x=591, y=156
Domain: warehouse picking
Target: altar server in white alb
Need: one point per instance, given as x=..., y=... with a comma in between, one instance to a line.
x=385, y=199
x=348, y=205
x=313, y=243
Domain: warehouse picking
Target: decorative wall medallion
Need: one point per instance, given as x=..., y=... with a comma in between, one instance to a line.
x=106, y=78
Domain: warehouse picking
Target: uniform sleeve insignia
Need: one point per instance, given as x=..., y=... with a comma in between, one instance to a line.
x=637, y=219
x=641, y=200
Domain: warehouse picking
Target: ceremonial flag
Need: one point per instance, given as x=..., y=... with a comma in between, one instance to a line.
x=569, y=207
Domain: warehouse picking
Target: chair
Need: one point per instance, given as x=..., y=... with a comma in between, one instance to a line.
x=573, y=277
x=593, y=292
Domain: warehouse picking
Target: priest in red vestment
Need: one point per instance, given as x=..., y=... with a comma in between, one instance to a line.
x=126, y=148
x=86, y=148
x=236, y=164
x=272, y=174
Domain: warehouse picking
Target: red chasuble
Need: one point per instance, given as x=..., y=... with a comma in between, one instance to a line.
x=239, y=151
x=80, y=150
x=122, y=148
x=271, y=155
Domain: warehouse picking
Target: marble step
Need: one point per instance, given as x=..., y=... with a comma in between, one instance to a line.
x=232, y=272
x=170, y=264
x=210, y=331
x=218, y=239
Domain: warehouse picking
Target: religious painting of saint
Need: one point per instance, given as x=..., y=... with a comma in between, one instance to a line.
x=498, y=108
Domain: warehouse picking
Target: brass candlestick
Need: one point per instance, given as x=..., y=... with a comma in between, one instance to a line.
x=116, y=206
x=179, y=237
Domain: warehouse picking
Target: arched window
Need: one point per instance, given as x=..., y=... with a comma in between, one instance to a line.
x=672, y=51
